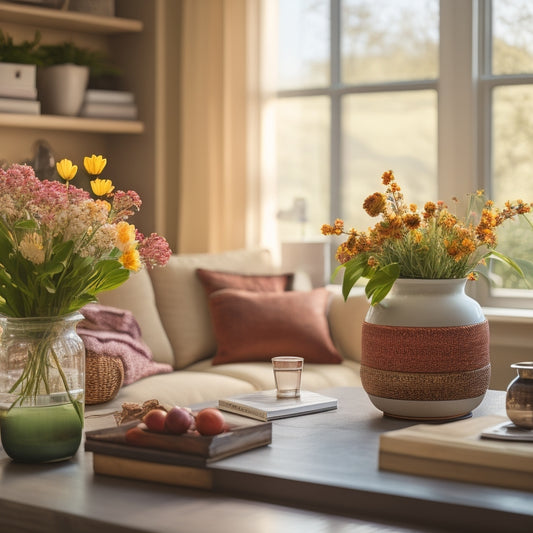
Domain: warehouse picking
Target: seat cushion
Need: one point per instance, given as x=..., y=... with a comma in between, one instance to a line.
x=261, y=376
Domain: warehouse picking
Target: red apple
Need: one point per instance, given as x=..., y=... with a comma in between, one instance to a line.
x=155, y=420
x=210, y=421
x=178, y=420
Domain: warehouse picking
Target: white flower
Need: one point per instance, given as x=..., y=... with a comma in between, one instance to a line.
x=31, y=248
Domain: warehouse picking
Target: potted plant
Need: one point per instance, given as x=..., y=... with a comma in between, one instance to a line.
x=424, y=341
x=63, y=75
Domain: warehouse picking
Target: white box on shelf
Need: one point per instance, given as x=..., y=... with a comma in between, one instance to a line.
x=15, y=75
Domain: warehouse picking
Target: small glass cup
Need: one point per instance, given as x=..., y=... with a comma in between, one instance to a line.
x=288, y=375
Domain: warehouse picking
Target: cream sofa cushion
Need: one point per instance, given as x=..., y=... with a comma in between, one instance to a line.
x=182, y=301
x=137, y=296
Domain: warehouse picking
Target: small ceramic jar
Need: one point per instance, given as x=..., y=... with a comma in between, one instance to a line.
x=519, y=400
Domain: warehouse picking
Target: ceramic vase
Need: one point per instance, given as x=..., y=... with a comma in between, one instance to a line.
x=42, y=363
x=425, y=351
x=61, y=88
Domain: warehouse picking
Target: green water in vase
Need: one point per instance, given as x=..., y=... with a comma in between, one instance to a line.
x=42, y=433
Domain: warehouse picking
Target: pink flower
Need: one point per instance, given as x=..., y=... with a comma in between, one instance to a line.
x=154, y=250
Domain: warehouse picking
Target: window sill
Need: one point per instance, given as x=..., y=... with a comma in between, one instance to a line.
x=508, y=315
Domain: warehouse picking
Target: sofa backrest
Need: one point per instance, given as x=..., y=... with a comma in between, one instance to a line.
x=182, y=301
x=171, y=307
x=137, y=296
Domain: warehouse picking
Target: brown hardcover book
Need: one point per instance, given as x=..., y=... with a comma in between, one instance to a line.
x=174, y=459
x=457, y=451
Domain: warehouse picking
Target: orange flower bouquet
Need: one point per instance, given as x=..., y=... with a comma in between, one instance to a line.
x=429, y=244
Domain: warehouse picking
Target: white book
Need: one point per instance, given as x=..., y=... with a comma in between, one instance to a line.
x=101, y=96
x=12, y=91
x=264, y=405
x=113, y=111
x=16, y=105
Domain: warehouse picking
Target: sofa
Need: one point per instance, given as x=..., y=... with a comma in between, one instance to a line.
x=202, y=339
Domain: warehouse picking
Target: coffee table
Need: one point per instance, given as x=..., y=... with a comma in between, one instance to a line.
x=319, y=474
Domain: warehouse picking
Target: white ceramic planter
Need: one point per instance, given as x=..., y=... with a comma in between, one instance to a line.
x=425, y=351
x=61, y=88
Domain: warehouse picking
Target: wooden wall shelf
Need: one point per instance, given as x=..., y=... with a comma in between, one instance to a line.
x=54, y=122
x=67, y=20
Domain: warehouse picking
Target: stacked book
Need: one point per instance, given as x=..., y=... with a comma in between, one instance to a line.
x=99, y=103
x=18, y=89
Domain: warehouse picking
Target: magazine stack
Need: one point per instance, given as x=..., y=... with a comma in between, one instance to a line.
x=18, y=89
x=99, y=103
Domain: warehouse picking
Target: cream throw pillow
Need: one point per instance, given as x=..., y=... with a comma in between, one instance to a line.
x=182, y=301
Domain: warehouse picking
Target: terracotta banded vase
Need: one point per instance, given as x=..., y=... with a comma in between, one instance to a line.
x=425, y=351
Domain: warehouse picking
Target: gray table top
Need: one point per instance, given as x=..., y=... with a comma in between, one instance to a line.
x=319, y=474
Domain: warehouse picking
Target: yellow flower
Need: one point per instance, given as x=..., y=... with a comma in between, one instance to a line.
x=131, y=259
x=66, y=169
x=94, y=165
x=125, y=236
x=102, y=187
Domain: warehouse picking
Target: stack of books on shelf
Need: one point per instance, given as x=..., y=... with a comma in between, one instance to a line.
x=18, y=89
x=100, y=103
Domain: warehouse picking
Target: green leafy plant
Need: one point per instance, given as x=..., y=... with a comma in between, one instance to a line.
x=23, y=53
x=67, y=52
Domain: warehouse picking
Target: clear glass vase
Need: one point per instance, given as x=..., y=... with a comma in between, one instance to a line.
x=42, y=379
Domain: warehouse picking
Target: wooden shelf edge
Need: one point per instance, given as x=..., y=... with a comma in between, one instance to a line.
x=87, y=125
x=72, y=20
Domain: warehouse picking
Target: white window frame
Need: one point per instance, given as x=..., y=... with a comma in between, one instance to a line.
x=464, y=88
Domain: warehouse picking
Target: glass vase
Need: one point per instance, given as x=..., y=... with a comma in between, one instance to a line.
x=42, y=379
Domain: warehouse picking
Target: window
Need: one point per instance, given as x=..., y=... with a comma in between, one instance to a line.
x=365, y=86
x=506, y=93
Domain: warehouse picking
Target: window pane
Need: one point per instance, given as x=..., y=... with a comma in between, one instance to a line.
x=303, y=44
x=302, y=144
x=512, y=160
x=385, y=131
x=387, y=41
x=512, y=39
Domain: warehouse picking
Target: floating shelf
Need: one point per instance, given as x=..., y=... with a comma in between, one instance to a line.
x=54, y=122
x=67, y=20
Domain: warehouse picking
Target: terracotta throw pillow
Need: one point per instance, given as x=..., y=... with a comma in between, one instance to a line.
x=256, y=326
x=213, y=280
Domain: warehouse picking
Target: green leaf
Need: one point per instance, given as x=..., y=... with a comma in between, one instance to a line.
x=354, y=269
x=28, y=224
x=381, y=282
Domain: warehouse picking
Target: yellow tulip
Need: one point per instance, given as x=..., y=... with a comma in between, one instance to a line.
x=94, y=165
x=66, y=169
x=102, y=187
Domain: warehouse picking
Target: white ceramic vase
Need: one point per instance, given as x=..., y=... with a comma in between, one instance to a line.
x=425, y=351
x=61, y=88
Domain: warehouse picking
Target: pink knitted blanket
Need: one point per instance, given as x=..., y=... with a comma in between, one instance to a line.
x=116, y=333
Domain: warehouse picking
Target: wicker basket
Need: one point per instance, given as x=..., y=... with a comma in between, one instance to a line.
x=104, y=376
